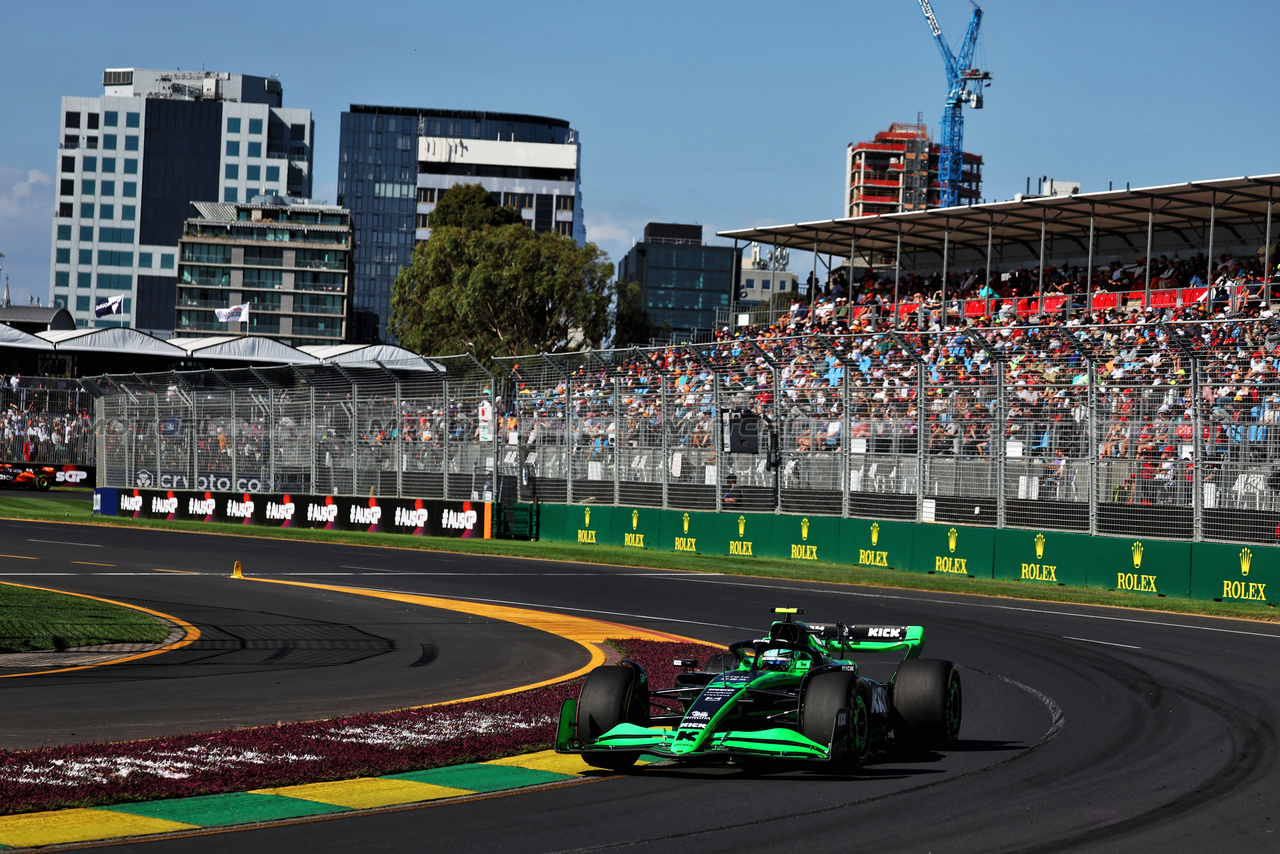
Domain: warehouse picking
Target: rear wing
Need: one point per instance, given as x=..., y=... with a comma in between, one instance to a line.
x=838, y=639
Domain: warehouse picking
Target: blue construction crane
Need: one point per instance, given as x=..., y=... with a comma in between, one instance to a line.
x=964, y=86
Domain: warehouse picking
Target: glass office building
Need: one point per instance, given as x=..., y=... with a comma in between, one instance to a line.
x=131, y=162
x=682, y=282
x=394, y=162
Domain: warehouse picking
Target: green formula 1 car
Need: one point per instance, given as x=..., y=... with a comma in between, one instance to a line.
x=795, y=695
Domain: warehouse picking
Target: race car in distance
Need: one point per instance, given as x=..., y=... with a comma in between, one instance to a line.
x=29, y=477
x=793, y=696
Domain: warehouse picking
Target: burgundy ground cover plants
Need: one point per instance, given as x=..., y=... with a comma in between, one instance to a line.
x=313, y=751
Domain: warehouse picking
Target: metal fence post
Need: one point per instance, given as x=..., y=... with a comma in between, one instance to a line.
x=399, y=439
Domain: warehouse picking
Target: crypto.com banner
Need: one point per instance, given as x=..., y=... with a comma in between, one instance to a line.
x=423, y=517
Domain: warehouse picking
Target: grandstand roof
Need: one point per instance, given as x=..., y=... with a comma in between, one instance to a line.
x=354, y=354
x=11, y=337
x=113, y=339
x=1171, y=207
x=243, y=348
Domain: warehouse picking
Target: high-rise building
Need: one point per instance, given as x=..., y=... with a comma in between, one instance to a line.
x=898, y=171
x=287, y=260
x=131, y=162
x=682, y=282
x=394, y=162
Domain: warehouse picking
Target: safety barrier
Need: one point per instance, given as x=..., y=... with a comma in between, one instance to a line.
x=1149, y=566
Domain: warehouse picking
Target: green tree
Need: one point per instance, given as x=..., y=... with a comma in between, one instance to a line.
x=632, y=324
x=500, y=291
x=471, y=206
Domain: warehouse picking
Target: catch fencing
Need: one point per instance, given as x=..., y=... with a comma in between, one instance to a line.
x=1166, y=431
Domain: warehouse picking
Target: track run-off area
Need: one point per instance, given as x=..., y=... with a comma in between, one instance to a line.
x=1084, y=728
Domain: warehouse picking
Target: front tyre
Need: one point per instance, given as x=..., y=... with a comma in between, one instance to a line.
x=927, y=703
x=608, y=698
x=827, y=698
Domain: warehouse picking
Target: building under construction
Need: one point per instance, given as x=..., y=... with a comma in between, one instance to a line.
x=898, y=171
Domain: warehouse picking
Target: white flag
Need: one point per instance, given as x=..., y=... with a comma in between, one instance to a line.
x=236, y=312
x=112, y=305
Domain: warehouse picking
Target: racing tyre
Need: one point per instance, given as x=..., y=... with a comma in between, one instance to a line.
x=826, y=696
x=43, y=482
x=926, y=704
x=721, y=662
x=608, y=698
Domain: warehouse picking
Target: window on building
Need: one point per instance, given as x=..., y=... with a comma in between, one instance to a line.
x=131, y=142
x=564, y=203
x=255, y=149
x=106, y=211
x=86, y=233
x=255, y=126
x=765, y=284
x=253, y=173
x=131, y=120
x=61, y=279
x=273, y=173
x=92, y=121
x=423, y=220
x=298, y=133
x=71, y=140
x=85, y=257
x=68, y=163
x=229, y=195
x=128, y=212
x=565, y=228
x=108, y=164
x=144, y=260
x=82, y=303
x=66, y=209
x=62, y=255
x=130, y=166
x=84, y=280
x=115, y=281
x=110, y=118
x=88, y=186
x=72, y=120
x=231, y=172
x=109, y=141
x=64, y=232
x=233, y=148
x=108, y=188
x=233, y=125
x=90, y=165
x=67, y=187
x=166, y=262
x=114, y=258
x=130, y=189
x=91, y=143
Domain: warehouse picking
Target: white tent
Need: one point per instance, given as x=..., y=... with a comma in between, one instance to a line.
x=243, y=348
x=113, y=339
x=356, y=354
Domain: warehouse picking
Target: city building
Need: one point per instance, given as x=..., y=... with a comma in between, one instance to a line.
x=763, y=277
x=132, y=160
x=394, y=162
x=682, y=282
x=898, y=171
x=288, y=260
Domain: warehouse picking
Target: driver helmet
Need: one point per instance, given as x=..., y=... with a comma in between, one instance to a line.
x=776, y=659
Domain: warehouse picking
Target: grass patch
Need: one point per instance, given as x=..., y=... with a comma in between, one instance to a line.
x=54, y=510
x=33, y=619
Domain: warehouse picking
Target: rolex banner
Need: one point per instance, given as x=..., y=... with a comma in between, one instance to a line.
x=422, y=517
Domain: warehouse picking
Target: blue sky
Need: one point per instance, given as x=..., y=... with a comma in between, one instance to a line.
x=724, y=114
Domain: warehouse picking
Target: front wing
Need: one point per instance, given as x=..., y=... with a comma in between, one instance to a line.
x=776, y=743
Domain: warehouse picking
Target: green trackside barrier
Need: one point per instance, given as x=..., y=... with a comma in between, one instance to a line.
x=1235, y=573
x=688, y=531
x=1156, y=567
x=953, y=550
x=589, y=525
x=802, y=538
x=876, y=542
x=636, y=528
x=1042, y=557
x=742, y=535
x=553, y=521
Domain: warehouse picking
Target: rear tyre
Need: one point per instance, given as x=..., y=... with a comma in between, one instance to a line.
x=826, y=696
x=608, y=698
x=926, y=705
x=43, y=482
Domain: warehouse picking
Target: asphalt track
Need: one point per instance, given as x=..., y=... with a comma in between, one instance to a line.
x=1084, y=729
